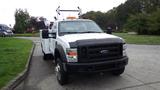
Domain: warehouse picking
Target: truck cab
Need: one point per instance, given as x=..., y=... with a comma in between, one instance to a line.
x=81, y=46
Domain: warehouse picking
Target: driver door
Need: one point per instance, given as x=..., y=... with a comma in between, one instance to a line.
x=52, y=38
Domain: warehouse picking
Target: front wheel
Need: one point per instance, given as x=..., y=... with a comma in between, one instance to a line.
x=61, y=75
x=118, y=71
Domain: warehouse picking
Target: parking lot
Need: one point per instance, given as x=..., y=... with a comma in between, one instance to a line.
x=142, y=73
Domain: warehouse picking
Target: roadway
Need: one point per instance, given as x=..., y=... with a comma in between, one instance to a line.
x=142, y=73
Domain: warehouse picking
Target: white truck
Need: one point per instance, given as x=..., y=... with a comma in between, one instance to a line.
x=80, y=46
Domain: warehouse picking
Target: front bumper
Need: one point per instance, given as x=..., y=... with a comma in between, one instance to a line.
x=96, y=66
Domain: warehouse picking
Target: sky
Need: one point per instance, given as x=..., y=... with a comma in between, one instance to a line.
x=47, y=8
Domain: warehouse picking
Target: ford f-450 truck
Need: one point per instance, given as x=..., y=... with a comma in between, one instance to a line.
x=80, y=46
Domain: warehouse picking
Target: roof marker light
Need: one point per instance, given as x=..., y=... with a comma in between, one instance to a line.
x=71, y=17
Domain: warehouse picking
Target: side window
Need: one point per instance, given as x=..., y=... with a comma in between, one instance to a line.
x=55, y=26
x=2, y=28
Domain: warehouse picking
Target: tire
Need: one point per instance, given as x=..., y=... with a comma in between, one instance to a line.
x=48, y=56
x=118, y=72
x=61, y=75
x=45, y=56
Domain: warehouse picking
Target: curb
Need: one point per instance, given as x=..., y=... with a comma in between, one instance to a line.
x=17, y=80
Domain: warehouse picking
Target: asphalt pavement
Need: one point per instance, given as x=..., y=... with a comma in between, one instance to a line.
x=142, y=73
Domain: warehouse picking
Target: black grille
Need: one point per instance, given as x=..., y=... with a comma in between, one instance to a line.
x=97, y=53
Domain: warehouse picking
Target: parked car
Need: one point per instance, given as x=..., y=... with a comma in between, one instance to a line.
x=5, y=30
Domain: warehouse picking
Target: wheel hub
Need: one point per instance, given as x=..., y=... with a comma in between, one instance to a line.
x=58, y=74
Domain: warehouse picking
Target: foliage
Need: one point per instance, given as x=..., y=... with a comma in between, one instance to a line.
x=32, y=22
x=137, y=23
x=98, y=17
x=13, y=58
x=35, y=23
x=154, y=23
x=123, y=15
x=21, y=20
x=144, y=23
x=24, y=23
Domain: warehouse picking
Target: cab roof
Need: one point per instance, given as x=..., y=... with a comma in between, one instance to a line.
x=73, y=20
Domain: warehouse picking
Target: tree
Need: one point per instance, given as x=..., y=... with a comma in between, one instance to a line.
x=133, y=15
x=137, y=23
x=98, y=17
x=21, y=20
x=144, y=23
x=154, y=23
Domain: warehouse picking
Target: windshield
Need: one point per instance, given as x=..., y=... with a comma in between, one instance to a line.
x=71, y=27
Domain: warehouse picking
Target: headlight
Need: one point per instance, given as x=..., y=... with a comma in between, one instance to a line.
x=124, y=46
x=124, y=49
x=71, y=55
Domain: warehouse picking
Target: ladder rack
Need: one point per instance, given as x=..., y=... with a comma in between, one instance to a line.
x=58, y=10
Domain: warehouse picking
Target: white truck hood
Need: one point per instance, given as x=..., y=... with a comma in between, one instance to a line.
x=75, y=37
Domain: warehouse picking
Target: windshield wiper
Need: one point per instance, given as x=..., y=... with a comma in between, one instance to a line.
x=68, y=32
x=63, y=33
x=91, y=32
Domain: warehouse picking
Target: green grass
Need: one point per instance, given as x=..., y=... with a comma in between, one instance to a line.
x=139, y=39
x=27, y=35
x=14, y=54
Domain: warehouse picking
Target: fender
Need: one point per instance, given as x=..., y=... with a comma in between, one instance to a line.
x=59, y=49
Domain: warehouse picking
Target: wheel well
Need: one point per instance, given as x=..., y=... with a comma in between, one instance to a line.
x=42, y=48
x=57, y=54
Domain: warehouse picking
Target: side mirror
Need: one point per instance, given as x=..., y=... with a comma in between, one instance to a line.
x=52, y=35
x=45, y=33
x=109, y=30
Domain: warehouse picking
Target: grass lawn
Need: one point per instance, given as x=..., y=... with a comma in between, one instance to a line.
x=140, y=39
x=14, y=54
x=27, y=35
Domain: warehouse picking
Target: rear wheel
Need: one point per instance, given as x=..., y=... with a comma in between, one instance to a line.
x=61, y=75
x=118, y=71
x=45, y=56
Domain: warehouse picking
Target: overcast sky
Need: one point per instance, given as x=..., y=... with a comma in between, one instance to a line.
x=46, y=8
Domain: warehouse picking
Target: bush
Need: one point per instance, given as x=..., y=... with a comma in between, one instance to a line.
x=144, y=23
x=154, y=23
x=137, y=23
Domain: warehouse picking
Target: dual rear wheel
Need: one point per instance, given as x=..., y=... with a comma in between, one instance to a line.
x=47, y=56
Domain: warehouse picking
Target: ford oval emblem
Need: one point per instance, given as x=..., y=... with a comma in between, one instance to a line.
x=104, y=51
